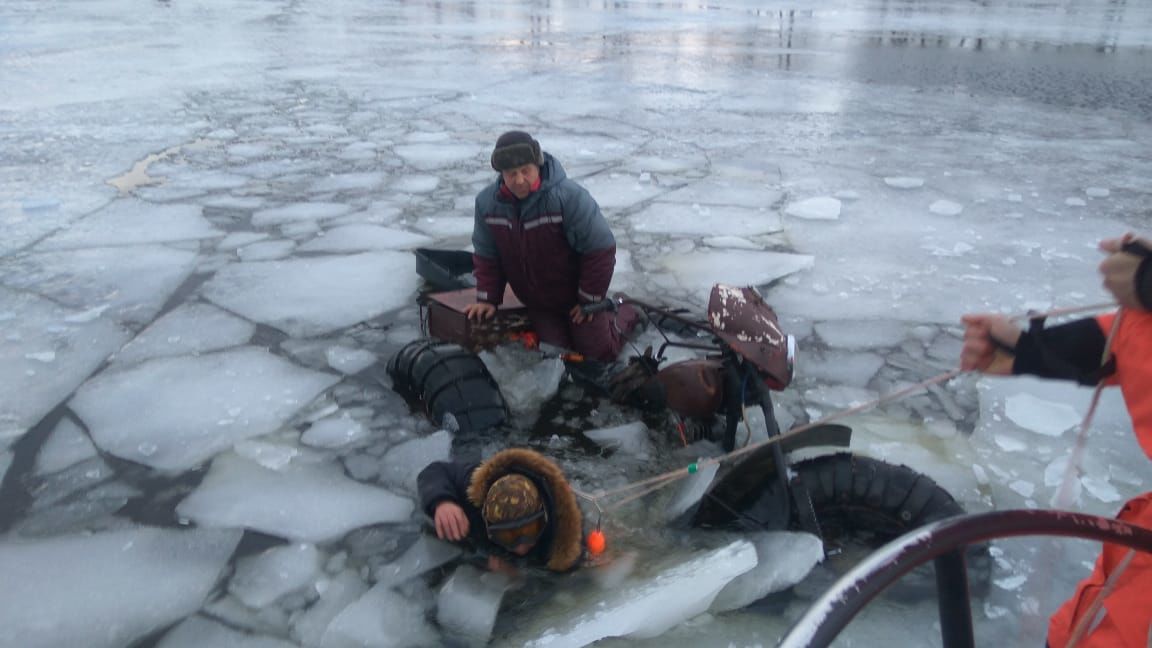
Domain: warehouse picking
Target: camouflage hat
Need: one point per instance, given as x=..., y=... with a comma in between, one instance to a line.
x=512, y=497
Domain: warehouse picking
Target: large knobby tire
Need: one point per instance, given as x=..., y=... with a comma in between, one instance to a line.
x=856, y=495
x=448, y=382
x=864, y=500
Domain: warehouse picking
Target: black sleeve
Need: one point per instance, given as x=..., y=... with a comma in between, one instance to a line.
x=444, y=480
x=1069, y=351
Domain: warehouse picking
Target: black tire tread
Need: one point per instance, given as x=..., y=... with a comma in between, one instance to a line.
x=849, y=482
x=856, y=493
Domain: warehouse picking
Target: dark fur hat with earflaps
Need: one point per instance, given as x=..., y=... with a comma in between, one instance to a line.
x=515, y=149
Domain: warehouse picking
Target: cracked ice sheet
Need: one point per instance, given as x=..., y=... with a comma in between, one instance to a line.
x=45, y=352
x=306, y=502
x=705, y=220
x=617, y=191
x=190, y=329
x=432, y=156
x=696, y=272
x=643, y=606
x=67, y=445
x=1110, y=447
x=361, y=238
x=723, y=192
x=1050, y=418
x=132, y=222
x=173, y=413
x=131, y=283
x=314, y=296
x=106, y=589
x=297, y=212
x=197, y=631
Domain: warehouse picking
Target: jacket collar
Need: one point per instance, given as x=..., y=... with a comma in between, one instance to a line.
x=506, y=193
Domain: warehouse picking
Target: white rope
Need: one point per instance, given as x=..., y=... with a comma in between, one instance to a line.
x=656, y=482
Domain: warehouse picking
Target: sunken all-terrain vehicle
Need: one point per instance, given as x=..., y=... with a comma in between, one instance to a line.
x=745, y=357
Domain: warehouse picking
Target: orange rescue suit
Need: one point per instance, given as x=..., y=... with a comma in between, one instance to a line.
x=1127, y=610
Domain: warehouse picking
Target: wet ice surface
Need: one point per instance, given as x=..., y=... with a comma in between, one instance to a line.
x=206, y=258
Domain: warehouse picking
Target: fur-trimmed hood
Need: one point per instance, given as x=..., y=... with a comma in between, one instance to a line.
x=564, y=519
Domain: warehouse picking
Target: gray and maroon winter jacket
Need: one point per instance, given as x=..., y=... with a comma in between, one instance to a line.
x=553, y=248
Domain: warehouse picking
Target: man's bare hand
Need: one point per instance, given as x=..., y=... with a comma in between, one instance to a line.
x=985, y=335
x=479, y=311
x=579, y=316
x=451, y=521
x=1119, y=270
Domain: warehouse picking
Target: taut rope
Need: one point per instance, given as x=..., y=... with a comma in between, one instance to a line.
x=654, y=483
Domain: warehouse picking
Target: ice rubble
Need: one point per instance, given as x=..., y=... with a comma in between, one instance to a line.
x=349, y=361
x=644, y=607
x=783, y=558
x=526, y=379
x=425, y=554
x=1043, y=417
x=468, y=602
x=630, y=438
x=690, y=489
x=380, y=618
x=334, y=432
x=261, y=579
x=336, y=594
x=401, y=464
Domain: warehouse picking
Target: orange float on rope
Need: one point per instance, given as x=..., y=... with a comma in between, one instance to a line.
x=596, y=542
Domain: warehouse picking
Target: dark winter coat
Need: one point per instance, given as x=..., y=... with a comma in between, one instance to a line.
x=559, y=547
x=553, y=248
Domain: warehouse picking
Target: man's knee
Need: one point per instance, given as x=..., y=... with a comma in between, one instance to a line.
x=597, y=339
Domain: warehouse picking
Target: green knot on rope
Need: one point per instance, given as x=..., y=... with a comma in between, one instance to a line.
x=692, y=468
